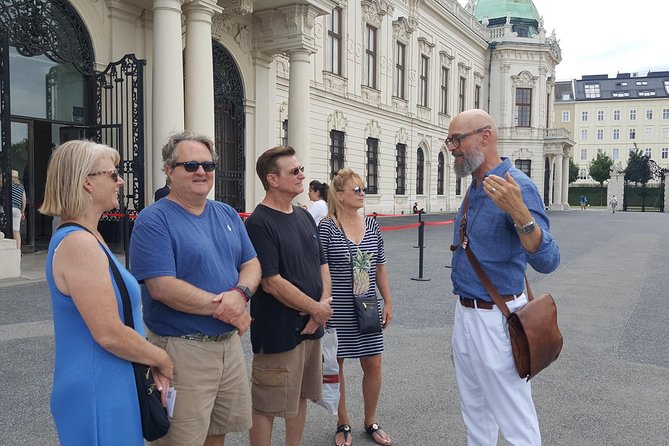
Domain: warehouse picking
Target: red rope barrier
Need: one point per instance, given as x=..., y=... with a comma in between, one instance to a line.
x=415, y=225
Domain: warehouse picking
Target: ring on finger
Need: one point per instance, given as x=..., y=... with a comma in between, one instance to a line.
x=492, y=189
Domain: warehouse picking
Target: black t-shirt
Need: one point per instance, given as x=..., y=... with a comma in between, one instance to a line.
x=286, y=244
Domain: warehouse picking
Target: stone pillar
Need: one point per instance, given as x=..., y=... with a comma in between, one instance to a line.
x=298, y=104
x=666, y=195
x=616, y=186
x=168, y=92
x=557, y=203
x=564, y=201
x=199, y=89
x=551, y=179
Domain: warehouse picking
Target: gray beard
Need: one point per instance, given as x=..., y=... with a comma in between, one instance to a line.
x=468, y=165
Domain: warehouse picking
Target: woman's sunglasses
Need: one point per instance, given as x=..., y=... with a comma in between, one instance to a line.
x=192, y=166
x=112, y=173
x=359, y=190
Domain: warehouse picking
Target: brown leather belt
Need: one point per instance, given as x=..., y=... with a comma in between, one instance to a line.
x=483, y=304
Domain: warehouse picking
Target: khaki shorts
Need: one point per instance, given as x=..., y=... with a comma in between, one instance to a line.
x=280, y=380
x=213, y=395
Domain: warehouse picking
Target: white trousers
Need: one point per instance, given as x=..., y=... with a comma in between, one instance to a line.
x=492, y=395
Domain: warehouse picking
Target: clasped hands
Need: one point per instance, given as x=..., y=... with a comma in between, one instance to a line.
x=232, y=310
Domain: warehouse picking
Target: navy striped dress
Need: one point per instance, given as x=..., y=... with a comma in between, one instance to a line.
x=337, y=250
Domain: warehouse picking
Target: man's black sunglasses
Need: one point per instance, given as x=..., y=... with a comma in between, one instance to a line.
x=192, y=166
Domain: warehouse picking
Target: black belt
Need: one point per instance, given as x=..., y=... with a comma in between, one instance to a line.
x=484, y=304
x=201, y=337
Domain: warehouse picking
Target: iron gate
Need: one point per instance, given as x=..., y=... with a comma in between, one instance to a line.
x=646, y=197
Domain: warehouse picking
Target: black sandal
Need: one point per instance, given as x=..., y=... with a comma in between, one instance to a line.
x=374, y=428
x=346, y=430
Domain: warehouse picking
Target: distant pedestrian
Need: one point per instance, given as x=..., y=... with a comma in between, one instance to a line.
x=613, y=204
x=164, y=191
x=18, y=207
x=318, y=193
x=584, y=201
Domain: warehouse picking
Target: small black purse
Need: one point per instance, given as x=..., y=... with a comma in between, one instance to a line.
x=367, y=309
x=155, y=423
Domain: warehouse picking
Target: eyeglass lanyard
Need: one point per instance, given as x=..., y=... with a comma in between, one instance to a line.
x=485, y=280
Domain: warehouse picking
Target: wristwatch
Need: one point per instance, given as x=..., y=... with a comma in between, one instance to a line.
x=246, y=292
x=526, y=228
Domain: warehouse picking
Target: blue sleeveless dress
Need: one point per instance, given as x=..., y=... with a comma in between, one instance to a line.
x=94, y=398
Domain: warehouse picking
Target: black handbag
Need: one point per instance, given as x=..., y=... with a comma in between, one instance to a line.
x=367, y=309
x=155, y=423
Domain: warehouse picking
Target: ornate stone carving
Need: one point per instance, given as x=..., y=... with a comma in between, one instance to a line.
x=400, y=105
x=335, y=84
x=425, y=46
x=463, y=69
x=524, y=79
x=372, y=129
x=337, y=121
x=446, y=58
x=444, y=120
x=401, y=136
x=402, y=29
x=222, y=24
x=282, y=65
x=412, y=77
x=423, y=113
x=237, y=7
x=373, y=11
x=478, y=78
x=371, y=96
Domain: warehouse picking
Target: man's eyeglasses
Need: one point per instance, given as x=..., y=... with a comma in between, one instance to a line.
x=193, y=166
x=112, y=173
x=456, y=139
x=296, y=171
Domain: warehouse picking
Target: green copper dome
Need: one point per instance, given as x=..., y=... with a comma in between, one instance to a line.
x=496, y=9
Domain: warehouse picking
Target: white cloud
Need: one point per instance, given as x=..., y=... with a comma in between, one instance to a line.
x=598, y=37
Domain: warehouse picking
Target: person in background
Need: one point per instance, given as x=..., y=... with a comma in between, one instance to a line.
x=18, y=207
x=416, y=210
x=199, y=270
x=162, y=192
x=506, y=228
x=318, y=193
x=291, y=305
x=353, y=247
x=584, y=201
x=613, y=204
x=94, y=397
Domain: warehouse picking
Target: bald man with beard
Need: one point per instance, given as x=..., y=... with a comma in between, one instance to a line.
x=507, y=229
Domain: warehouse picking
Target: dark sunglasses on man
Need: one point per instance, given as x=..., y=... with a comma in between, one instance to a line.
x=193, y=166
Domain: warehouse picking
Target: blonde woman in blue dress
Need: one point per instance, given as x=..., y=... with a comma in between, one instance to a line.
x=345, y=233
x=94, y=398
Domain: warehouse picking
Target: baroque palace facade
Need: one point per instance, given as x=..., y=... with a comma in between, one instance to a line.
x=366, y=84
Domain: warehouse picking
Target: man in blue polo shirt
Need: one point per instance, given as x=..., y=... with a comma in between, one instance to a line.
x=198, y=269
x=507, y=228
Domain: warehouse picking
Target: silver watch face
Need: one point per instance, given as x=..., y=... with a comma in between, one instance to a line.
x=527, y=228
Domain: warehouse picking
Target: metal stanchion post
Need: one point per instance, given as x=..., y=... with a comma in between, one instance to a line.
x=420, y=222
x=421, y=238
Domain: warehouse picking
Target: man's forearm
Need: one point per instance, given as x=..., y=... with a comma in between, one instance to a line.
x=249, y=274
x=181, y=295
x=288, y=294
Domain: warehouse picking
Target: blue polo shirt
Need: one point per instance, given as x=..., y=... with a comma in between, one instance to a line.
x=496, y=243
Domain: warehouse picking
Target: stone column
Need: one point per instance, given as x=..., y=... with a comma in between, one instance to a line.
x=199, y=106
x=557, y=203
x=298, y=104
x=551, y=180
x=565, y=183
x=168, y=93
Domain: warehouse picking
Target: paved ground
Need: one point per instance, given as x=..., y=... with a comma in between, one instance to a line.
x=609, y=387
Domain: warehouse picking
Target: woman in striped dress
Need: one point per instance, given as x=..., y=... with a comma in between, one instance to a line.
x=345, y=233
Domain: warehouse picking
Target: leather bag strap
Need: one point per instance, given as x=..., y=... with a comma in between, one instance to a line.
x=120, y=283
x=485, y=280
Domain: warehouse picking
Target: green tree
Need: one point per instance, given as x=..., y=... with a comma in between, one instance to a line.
x=638, y=168
x=600, y=171
x=573, y=171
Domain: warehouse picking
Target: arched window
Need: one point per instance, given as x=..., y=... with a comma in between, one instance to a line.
x=440, y=174
x=420, y=171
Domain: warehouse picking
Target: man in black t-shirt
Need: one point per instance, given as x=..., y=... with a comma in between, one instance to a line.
x=291, y=305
